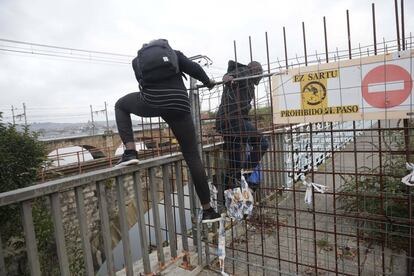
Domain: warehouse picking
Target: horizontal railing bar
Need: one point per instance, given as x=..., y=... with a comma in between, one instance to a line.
x=244, y=78
x=72, y=182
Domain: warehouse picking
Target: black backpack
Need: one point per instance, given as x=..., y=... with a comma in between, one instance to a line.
x=155, y=61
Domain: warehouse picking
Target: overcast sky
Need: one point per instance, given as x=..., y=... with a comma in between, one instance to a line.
x=61, y=89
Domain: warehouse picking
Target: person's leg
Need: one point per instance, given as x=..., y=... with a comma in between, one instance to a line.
x=258, y=145
x=181, y=124
x=124, y=107
x=131, y=104
x=232, y=148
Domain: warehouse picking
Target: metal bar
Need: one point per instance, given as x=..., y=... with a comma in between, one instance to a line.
x=124, y=226
x=256, y=91
x=209, y=166
x=410, y=195
x=247, y=246
x=242, y=78
x=83, y=226
x=196, y=223
x=169, y=210
x=235, y=55
x=219, y=179
x=312, y=168
x=397, y=25
x=326, y=40
x=334, y=198
x=206, y=246
x=358, y=233
x=193, y=210
x=141, y=222
x=374, y=29
x=156, y=216
x=2, y=263
x=381, y=180
x=105, y=229
x=250, y=47
x=285, y=46
x=71, y=182
x=181, y=206
x=275, y=165
x=59, y=234
x=295, y=217
x=349, y=35
x=30, y=239
x=304, y=43
x=402, y=25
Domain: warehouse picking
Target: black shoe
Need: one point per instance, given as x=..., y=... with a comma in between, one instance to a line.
x=210, y=215
x=129, y=157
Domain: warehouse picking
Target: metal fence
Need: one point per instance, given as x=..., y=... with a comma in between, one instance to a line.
x=163, y=203
x=361, y=224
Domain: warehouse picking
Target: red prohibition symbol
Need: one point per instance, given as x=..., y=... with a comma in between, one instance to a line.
x=386, y=86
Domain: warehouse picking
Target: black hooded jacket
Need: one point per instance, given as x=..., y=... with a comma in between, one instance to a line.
x=171, y=93
x=236, y=98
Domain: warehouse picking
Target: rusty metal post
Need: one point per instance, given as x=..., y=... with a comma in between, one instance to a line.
x=326, y=40
x=410, y=258
x=349, y=35
x=285, y=47
x=374, y=29
x=397, y=25
x=304, y=43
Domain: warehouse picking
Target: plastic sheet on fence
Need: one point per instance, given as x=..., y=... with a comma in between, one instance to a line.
x=409, y=179
x=239, y=201
x=221, y=249
x=309, y=185
x=213, y=195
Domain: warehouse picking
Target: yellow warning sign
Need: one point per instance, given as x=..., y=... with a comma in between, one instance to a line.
x=313, y=87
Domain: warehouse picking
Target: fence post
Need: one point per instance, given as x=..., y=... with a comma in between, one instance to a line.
x=195, y=113
x=2, y=263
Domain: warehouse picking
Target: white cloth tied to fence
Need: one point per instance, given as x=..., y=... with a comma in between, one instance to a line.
x=221, y=249
x=213, y=196
x=318, y=188
x=409, y=179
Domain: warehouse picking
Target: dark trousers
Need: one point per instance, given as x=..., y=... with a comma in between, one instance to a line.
x=181, y=124
x=236, y=134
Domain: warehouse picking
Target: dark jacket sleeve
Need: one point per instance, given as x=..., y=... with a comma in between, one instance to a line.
x=136, y=71
x=191, y=68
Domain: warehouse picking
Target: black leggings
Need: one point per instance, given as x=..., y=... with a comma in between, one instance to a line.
x=181, y=124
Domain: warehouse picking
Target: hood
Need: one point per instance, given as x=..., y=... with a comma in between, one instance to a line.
x=232, y=65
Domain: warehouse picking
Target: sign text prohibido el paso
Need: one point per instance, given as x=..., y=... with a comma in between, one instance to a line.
x=368, y=88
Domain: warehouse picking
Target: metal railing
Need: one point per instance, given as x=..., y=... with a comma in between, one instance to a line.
x=172, y=181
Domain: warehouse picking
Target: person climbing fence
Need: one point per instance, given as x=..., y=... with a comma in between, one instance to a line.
x=234, y=124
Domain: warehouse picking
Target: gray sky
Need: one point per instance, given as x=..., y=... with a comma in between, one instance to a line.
x=61, y=89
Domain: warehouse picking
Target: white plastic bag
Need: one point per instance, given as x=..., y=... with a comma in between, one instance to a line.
x=239, y=201
x=221, y=249
x=409, y=178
